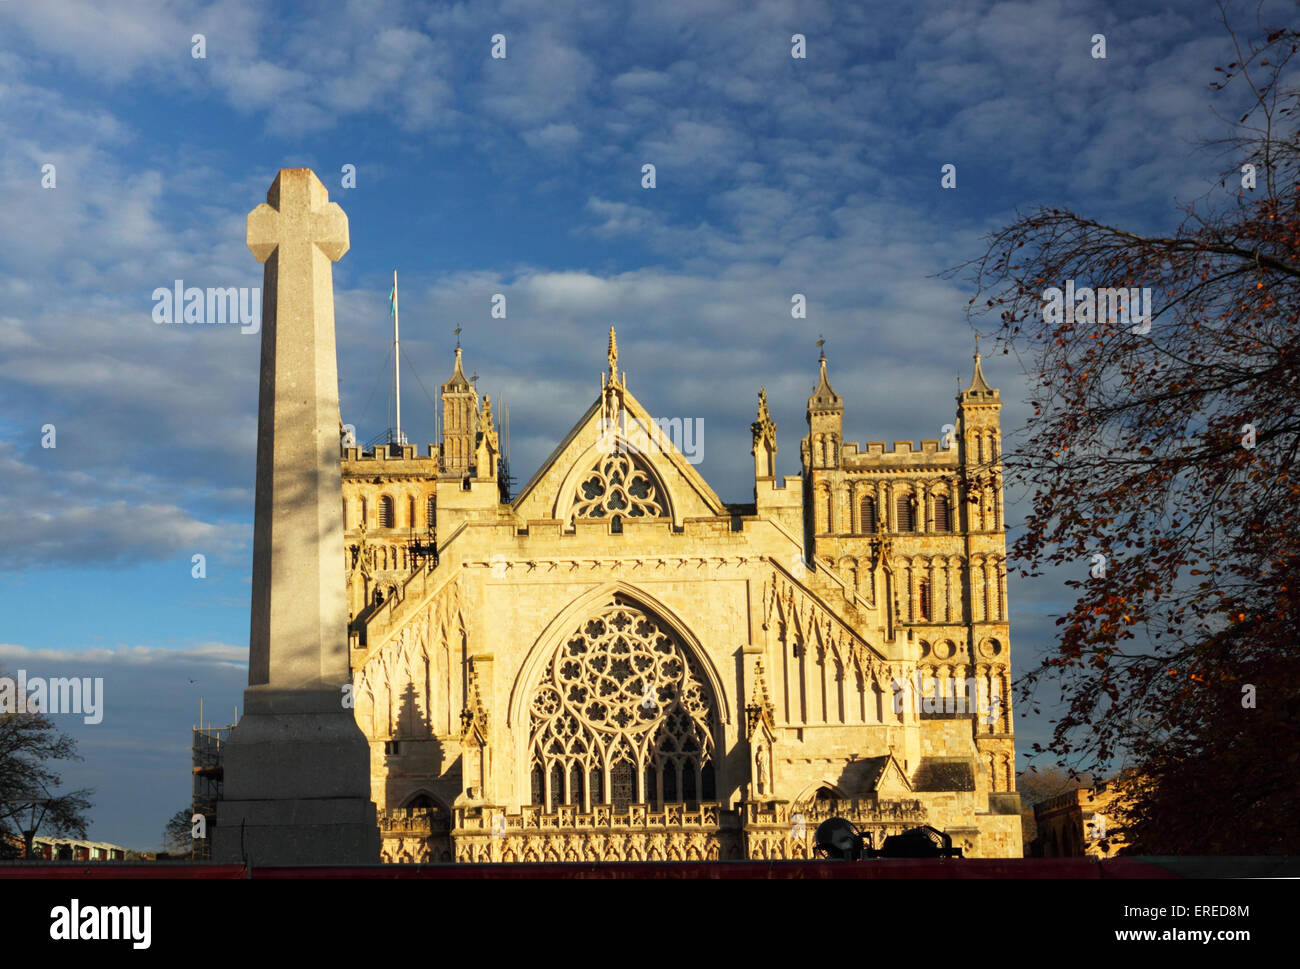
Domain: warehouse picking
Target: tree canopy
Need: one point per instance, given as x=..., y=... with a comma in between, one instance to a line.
x=1162, y=459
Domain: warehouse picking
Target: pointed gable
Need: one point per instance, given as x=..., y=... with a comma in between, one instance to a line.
x=618, y=460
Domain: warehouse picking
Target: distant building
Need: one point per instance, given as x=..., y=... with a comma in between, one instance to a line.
x=71, y=849
x=1079, y=823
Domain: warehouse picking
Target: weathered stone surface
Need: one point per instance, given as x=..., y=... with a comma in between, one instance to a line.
x=296, y=787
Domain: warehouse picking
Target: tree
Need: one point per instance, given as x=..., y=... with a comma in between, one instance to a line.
x=29, y=798
x=1164, y=466
x=177, y=836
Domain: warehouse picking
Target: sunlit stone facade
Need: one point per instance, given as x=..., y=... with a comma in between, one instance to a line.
x=618, y=665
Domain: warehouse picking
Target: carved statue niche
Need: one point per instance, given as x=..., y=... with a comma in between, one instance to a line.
x=760, y=723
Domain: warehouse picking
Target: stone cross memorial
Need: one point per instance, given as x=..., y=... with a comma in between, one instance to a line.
x=297, y=767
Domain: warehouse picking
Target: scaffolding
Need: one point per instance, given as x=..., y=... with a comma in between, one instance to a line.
x=207, y=750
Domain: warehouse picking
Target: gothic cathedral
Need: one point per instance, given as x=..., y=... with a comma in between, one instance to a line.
x=618, y=665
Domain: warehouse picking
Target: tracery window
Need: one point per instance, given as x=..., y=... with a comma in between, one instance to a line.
x=625, y=706
x=618, y=487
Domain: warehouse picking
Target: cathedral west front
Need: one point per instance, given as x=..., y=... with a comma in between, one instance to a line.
x=615, y=664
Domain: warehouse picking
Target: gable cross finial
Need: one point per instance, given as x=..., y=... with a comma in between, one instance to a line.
x=613, y=356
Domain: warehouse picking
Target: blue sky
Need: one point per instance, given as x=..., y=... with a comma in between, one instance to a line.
x=520, y=176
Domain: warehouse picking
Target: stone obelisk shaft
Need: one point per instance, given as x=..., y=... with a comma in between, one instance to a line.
x=298, y=634
x=297, y=767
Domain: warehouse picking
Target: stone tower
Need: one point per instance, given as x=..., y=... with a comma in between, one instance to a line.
x=459, y=421
x=979, y=439
x=919, y=534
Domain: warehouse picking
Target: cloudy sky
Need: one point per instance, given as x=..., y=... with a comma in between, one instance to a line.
x=520, y=176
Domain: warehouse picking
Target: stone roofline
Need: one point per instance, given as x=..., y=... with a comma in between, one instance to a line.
x=900, y=449
x=382, y=454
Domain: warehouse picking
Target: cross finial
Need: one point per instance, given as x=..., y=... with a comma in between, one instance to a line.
x=297, y=213
x=613, y=355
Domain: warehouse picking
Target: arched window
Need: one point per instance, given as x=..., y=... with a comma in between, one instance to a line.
x=365, y=508
x=670, y=782
x=622, y=698
x=538, y=785
x=622, y=782
x=867, y=516
x=903, y=510
x=410, y=512
x=923, y=600
x=431, y=512
x=557, y=786
x=941, y=517
x=385, y=512
x=575, y=786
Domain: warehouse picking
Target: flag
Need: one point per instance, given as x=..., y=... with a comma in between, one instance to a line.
x=392, y=300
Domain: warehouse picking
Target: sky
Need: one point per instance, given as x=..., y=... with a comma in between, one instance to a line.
x=523, y=176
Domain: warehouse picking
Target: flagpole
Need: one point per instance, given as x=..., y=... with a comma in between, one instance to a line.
x=397, y=367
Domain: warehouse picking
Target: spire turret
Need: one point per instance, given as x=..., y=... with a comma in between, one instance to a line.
x=979, y=387
x=459, y=420
x=487, y=448
x=821, y=448
x=764, y=431
x=824, y=400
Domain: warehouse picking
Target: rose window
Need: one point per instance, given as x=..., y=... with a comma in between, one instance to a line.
x=622, y=716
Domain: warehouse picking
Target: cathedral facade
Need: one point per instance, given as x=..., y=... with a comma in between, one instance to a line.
x=617, y=665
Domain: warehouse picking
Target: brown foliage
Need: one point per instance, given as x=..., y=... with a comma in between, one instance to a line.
x=1136, y=450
